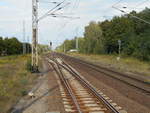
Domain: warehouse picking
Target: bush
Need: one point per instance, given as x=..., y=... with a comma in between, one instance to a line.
x=24, y=92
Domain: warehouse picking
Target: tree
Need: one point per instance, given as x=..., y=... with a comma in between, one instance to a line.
x=1, y=45
x=92, y=35
x=102, y=37
x=12, y=46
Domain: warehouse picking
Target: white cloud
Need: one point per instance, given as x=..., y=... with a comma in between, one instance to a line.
x=13, y=12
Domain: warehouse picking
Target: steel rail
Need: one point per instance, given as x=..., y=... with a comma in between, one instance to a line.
x=67, y=86
x=104, y=68
x=94, y=92
x=99, y=69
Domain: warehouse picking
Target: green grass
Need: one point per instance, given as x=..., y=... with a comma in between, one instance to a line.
x=124, y=64
x=15, y=80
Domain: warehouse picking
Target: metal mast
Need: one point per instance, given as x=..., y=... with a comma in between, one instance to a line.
x=35, y=35
x=35, y=20
x=24, y=43
x=77, y=42
x=28, y=45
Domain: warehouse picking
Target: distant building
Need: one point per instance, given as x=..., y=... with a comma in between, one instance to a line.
x=73, y=50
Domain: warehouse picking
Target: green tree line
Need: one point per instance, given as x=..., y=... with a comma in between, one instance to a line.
x=12, y=46
x=102, y=37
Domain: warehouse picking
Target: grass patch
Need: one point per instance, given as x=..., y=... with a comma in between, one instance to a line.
x=28, y=65
x=124, y=64
x=15, y=80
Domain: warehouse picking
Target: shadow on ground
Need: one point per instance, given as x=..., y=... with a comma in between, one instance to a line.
x=20, y=110
x=45, y=72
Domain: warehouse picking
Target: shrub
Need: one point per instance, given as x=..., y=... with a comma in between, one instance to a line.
x=24, y=92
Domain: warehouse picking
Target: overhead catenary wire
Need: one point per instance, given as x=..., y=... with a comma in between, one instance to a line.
x=63, y=16
x=108, y=9
x=117, y=3
x=58, y=9
x=76, y=4
x=49, y=2
x=53, y=12
x=42, y=17
x=132, y=15
x=136, y=6
x=141, y=3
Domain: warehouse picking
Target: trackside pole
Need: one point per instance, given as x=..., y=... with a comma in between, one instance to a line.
x=35, y=36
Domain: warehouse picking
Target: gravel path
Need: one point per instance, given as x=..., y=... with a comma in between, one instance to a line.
x=47, y=94
x=54, y=99
x=40, y=103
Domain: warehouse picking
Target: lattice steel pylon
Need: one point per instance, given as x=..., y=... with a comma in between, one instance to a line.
x=35, y=21
x=35, y=35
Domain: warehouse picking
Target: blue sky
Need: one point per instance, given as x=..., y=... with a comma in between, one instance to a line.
x=13, y=12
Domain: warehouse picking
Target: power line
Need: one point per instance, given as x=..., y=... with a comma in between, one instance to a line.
x=51, y=10
x=49, y=2
x=136, y=6
x=108, y=9
x=35, y=21
x=116, y=3
x=24, y=45
x=63, y=16
x=60, y=8
x=76, y=4
x=141, y=3
x=131, y=15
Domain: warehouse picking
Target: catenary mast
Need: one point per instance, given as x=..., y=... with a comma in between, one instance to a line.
x=35, y=35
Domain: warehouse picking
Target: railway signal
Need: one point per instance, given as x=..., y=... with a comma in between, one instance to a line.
x=77, y=44
x=24, y=41
x=50, y=45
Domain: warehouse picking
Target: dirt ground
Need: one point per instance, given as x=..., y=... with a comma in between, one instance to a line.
x=47, y=95
x=128, y=98
x=48, y=98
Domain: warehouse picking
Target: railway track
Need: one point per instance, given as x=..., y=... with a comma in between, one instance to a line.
x=78, y=95
x=135, y=82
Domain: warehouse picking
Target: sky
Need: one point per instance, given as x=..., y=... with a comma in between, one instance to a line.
x=14, y=12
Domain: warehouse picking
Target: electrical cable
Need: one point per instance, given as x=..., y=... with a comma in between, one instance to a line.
x=62, y=7
x=49, y=2
x=65, y=16
x=132, y=15
x=141, y=3
x=135, y=7
x=51, y=10
x=61, y=14
x=117, y=3
x=108, y=9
